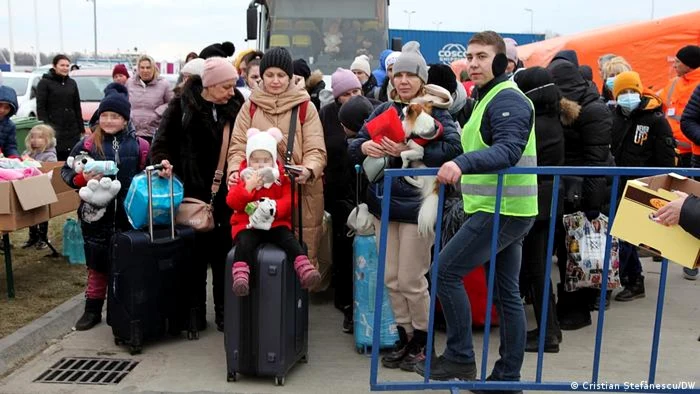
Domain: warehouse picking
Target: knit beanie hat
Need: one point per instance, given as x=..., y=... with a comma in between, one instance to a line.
x=263, y=140
x=442, y=75
x=120, y=69
x=354, y=112
x=301, y=68
x=225, y=49
x=116, y=88
x=115, y=102
x=194, y=67
x=391, y=59
x=343, y=80
x=277, y=57
x=412, y=61
x=239, y=57
x=586, y=72
x=511, y=49
x=690, y=56
x=627, y=80
x=217, y=70
x=361, y=63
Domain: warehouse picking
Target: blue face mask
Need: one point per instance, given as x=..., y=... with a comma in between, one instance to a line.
x=629, y=101
x=609, y=83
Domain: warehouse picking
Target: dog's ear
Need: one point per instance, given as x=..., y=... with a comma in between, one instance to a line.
x=428, y=107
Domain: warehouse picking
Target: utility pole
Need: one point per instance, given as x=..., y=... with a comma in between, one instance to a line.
x=36, y=30
x=409, y=13
x=94, y=23
x=652, y=9
x=9, y=35
x=532, y=20
x=60, y=25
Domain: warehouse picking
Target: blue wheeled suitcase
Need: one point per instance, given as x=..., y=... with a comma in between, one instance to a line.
x=148, y=291
x=365, y=282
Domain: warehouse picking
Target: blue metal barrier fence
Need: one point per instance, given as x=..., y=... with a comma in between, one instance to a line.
x=538, y=384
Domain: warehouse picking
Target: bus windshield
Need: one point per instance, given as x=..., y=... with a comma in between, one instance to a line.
x=329, y=34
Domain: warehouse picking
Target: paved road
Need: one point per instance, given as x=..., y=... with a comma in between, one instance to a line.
x=199, y=366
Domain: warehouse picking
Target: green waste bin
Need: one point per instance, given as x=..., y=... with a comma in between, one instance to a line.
x=23, y=125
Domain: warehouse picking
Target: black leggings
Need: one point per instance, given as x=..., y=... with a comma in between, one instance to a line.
x=247, y=242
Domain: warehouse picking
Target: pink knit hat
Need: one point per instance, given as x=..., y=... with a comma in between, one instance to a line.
x=217, y=70
x=344, y=80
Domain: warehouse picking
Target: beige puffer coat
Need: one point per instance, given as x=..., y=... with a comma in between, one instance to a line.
x=309, y=148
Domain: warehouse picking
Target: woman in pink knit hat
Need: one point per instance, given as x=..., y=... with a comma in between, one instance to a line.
x=188, y=143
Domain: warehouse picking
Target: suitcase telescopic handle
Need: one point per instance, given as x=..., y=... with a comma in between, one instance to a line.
x=296, y=190
x=149, y=181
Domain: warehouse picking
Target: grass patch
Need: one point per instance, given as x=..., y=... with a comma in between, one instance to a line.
x=41, y=283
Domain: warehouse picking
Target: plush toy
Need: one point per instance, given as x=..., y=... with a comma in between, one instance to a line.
x=333, y=38
x=263, y=214
x=97, y=195
x=270, y=176
x=78, y=162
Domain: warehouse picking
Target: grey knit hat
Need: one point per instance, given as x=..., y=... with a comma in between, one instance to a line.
x=412, y=61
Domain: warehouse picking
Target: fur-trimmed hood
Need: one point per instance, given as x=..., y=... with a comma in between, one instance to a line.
x=570, y=111
x=315, y=78
x=191, y=102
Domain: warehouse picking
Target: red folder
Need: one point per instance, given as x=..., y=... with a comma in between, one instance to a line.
x=387, y=124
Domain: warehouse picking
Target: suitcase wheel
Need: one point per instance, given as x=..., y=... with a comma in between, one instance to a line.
x=232, y=377
x=133, y=350
x=279, y=380
x=361, y=349
x=305, y=359
x=192, y=335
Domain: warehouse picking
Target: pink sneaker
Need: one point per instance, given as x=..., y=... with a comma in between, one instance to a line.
x=307, y=273
x=241, y=273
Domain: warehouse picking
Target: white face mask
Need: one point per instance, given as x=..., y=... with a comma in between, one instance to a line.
x=629, y=101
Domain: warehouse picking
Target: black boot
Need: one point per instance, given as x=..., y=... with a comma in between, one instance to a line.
x=348, y=320
x=415, y=352
x=572, y=309
x=393, y=359
x=596, y=303
x=43, y=236
x=634, y=290
x=219, y=317
x=33, y=237
x=92, y=315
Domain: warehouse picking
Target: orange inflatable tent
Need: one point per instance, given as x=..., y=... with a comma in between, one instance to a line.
x=650, y=47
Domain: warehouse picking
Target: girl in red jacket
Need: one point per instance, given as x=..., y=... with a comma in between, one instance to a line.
x=262, y=205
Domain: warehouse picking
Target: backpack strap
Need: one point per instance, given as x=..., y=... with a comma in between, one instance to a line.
x=144, y=148
x=251, y=109
x=302, y=111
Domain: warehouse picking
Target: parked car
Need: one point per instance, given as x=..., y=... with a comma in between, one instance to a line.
x=91, y=84
x=24, y=85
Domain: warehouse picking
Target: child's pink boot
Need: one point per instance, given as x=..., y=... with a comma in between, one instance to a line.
x=307, y=273
x=241, y=273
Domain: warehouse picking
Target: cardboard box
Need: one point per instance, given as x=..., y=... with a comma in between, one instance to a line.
x=634, y=221
x=25, y=202
x=68, y=198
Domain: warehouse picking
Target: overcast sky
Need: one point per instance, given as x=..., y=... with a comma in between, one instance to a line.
x=168, y=29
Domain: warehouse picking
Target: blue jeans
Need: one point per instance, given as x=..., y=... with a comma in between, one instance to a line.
x=630, y=265
x=468, y=249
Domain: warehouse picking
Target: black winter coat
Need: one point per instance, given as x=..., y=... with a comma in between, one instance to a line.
x=58, y=104
x=690, y=121
x=643, y=138
x=690, y=216
x=587, y=139
x=550, y=147
x=405, y=198
x=190, y=137
x=338, y=175
x=370, y=88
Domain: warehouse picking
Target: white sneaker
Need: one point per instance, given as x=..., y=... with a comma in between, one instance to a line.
x=690, y=274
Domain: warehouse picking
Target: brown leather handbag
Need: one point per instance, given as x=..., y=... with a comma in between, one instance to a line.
x=196, y=213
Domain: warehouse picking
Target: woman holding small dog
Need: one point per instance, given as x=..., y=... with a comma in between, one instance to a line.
x=101, y=213
x=408, y=249
x=262, y=205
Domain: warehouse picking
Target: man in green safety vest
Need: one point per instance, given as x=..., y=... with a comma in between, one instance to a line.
x=499, y=135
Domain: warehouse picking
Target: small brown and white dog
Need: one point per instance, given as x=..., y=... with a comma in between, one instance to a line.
x=420, y=128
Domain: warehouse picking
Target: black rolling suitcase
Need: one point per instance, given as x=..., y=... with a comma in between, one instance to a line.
x=148, y=292
x=266, y=332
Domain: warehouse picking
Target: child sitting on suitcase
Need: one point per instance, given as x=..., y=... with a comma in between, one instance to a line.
x=111, y=140
x=262, y=204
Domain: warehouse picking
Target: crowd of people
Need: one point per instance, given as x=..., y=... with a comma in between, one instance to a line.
x=505, y=116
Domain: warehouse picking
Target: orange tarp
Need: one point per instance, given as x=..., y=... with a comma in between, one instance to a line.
x=649, y=47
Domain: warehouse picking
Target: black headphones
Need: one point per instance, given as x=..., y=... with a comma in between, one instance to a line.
x=499, y=65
